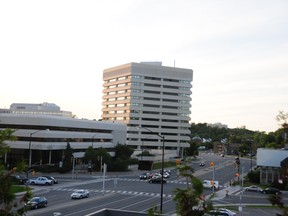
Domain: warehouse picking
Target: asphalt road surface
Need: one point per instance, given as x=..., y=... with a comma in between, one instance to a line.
x=128, y=192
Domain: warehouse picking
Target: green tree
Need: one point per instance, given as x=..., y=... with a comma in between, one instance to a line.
x=192, y=150
x=276, y=200
x=9, y=205
x=90, y=155
x=67, y=160
x=102, y=153
x=190, y=200
x=153, y=211
x=123, y=152
x=282, y=118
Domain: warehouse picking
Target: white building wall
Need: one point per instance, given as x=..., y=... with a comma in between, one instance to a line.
x=153, y=96
x=47, y=132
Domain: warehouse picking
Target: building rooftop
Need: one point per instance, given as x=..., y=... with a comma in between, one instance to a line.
x=271, y=157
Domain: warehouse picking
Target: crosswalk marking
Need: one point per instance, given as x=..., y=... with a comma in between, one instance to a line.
x=118, y=192
x=141, y=180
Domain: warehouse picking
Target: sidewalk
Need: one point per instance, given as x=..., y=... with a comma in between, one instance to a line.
x=220, y=194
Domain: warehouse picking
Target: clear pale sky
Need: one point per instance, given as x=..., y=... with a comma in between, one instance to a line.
x=56, y=51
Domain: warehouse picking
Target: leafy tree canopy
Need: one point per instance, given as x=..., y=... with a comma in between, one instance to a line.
x=9, y=205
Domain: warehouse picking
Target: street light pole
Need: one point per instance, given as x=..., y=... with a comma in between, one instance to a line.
x=93, y=140
x=162, y=166
x=162, y=178
x=30, y=150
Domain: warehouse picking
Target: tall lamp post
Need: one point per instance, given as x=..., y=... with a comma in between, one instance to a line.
x=93, y=140
x=30, y=150
x=162, y=165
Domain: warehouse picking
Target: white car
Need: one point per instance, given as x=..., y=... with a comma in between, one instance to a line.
x=41, y=181
x=253, y=188
x=166, y=175
x=79, y=194
x=227, y=211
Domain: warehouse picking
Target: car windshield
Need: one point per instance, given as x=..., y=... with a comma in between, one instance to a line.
x=35, y=199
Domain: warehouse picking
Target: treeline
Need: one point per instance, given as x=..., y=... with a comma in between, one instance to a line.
x=237, y=135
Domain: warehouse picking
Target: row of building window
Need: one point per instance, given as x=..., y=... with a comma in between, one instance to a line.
x=147, y=98
x=166, y=141
x=147, y=105
x=148, y=78
x=151, y=92
x=122, y=118
x=157, y=86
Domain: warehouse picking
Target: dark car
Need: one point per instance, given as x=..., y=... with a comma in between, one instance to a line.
x=36, y=202
x=201, y=163
x=145, y=176
x=16, y=179
x=55, y=181
x=271, y=191
x=157, y=180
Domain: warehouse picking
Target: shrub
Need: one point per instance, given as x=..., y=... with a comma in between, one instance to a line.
x=254, y=176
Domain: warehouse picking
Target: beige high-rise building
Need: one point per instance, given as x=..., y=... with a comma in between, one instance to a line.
x=154, y=101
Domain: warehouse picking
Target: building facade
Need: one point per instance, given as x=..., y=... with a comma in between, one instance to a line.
x=154, y=101
x=269, y=162
x=42, y=136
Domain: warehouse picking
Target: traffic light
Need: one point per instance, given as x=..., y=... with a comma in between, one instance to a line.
x=237, y=161
x=237, y=174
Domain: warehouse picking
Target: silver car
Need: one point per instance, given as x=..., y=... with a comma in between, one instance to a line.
x=253, y=188
x=79, y=194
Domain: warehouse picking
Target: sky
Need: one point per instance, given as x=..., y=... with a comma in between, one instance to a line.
x=55, y=51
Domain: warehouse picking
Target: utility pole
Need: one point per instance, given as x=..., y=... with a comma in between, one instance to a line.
x=241, y=192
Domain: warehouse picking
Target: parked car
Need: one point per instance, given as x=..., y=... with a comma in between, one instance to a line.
x=271, y=190
x=36, y=202
x=41, y=181
x=54, y=180
x=157, y=180
x=253, y=188
x=230, y=213
x=16, y=179
x=220, y=212
x=79, y=194
x=145, y=175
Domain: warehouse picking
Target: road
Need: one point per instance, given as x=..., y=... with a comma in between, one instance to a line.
x=128, y=192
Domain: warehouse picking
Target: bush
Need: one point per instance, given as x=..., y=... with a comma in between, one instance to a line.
x=45, y=168
x=132, y=161
x=118, y=165
x=65, y=168
x=254, y=177
x=145, y=153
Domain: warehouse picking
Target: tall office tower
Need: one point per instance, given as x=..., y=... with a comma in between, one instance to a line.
x=154, y=102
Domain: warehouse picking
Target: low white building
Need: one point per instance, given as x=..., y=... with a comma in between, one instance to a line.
x=46, y=136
